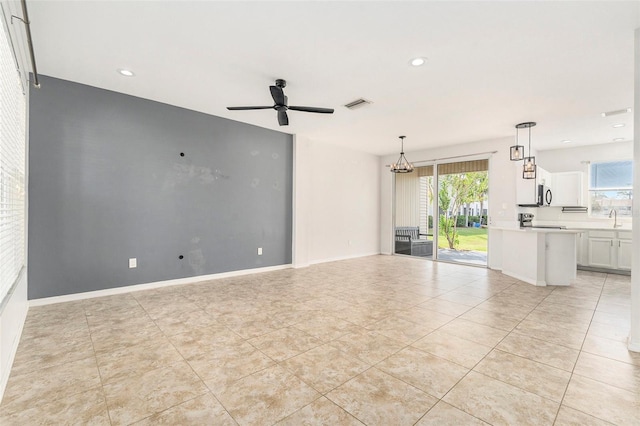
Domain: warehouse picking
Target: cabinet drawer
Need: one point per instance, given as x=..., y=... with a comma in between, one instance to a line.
x=602, y=234
x=624, y=235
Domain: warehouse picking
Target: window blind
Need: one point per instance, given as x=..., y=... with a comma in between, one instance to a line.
x=463, y=167
x=614, y=174
x=12, y=168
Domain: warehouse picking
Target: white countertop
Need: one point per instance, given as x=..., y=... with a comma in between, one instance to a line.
x=544, y=230
x=585, y=228
x=598, y=225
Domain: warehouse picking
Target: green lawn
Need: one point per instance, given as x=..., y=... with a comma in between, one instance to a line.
x=470, y=239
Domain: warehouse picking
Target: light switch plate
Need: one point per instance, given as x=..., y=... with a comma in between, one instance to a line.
x=259, y=251
x=133, y=262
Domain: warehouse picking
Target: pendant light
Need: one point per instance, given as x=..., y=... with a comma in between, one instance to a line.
x=529, y=168
x=402, y=165
x=517, y=150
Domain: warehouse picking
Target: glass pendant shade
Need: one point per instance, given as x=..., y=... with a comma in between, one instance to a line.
x=517, y=152
x=529, y=168
x=402, y=165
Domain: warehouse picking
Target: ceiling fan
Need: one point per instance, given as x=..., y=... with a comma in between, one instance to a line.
x=281, y=104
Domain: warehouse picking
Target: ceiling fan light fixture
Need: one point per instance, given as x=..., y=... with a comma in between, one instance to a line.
x=402, y=165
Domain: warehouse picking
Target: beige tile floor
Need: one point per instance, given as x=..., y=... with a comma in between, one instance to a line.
x=381, y=340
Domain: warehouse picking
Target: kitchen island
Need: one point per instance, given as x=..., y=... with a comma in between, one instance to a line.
x=538, y=256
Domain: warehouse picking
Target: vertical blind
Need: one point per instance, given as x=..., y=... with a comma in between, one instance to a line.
x=407, y=199
x=12, y=168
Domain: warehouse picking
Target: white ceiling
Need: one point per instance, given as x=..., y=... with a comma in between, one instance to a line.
x=490, y=65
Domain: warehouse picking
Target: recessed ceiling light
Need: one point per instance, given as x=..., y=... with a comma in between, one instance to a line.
x=618, y=125
x=618, y=139
x=566, y=141
x=126, y=73
x=417, y=62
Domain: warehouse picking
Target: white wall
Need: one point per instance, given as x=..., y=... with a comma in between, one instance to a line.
x=573, y=159
x=502, y=192
x=336, y=203
x=634, y=332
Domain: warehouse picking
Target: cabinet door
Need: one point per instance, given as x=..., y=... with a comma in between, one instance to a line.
x=526, y=189
x=567, y=189
x=601, y=252
x=624, y=254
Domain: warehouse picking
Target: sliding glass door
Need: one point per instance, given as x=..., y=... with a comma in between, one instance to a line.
x=463, y=211
x=441, y=212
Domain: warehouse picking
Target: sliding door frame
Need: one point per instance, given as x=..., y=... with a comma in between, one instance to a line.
x=435, y=201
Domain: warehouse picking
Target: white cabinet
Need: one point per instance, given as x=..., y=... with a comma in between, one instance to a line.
x=624, y=250
x=609, y=249
x=601, y=252
x=567, y=189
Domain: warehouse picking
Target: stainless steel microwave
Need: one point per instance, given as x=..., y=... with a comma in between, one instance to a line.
x=544, y=196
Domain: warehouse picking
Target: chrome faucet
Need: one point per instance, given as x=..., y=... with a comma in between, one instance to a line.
x=615, y=218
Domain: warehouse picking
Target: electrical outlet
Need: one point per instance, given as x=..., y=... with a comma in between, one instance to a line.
x=133, y=262
x=259, y=251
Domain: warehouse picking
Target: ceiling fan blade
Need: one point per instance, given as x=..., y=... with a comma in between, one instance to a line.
x=278, y=95
x=312, y=109
x=242, y=108
x=283, y=120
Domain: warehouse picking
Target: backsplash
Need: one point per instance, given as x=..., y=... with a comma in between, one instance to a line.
x=555, y=216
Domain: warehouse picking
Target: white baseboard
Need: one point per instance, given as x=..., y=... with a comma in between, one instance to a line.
x=525, y=279
x=12, y=320
x=14, y=349
x=335, y=259
x=153, y=285
x=633, y=346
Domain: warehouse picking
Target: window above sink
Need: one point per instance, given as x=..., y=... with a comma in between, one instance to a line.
x=611, y=188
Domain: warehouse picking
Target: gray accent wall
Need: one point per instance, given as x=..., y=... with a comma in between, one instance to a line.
x=107, y=183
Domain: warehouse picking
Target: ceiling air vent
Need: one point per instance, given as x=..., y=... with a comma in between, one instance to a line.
x=357, y=103
x=616, y=112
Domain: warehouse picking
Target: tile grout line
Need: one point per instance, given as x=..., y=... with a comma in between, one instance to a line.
x=95, y=356
x=469, y=369
x=353, y=293
x=495, y=348
x=190, y=366
x=465, y=375
x=604, y=282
